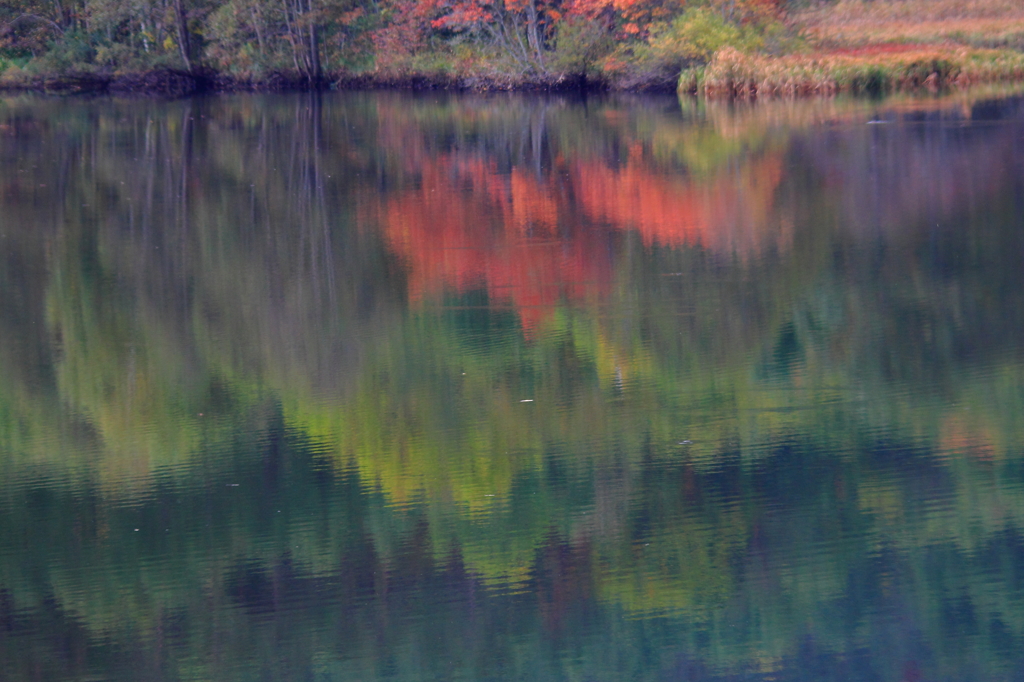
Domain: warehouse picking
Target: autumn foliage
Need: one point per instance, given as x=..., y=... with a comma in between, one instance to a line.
x=723, y=47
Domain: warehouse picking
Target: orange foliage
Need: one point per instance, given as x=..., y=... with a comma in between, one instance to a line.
x=536, y=241
x=404, y=34
x=636, y=15
x=465, y=14
x=470, y=13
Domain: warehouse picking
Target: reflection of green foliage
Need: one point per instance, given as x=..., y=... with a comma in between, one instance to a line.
x=604, y=129
x=141, y=398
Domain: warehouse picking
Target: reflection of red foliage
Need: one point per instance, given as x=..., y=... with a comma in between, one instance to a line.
x=467, y=227
x=726, y=214
x=530, y=241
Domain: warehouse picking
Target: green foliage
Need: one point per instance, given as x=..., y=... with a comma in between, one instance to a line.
x=238, y=44
x=580, y=45
x=73, y=51
x=676, y=51
x=697, y=34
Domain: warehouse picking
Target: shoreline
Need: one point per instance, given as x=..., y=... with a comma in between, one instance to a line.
x=729, y=76
x=716, y=49
x=180, y=83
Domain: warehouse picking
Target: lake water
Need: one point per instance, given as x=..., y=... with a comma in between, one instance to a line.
x=436, y=387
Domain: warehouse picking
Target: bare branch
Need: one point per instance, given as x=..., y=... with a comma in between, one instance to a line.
x=35, y=17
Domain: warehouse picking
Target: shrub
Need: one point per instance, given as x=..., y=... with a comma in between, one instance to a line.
x=74, y=51
x=696, y=35
x=580, y=45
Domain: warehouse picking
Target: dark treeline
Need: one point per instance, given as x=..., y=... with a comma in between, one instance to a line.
x=179, y=45
x=719, y=48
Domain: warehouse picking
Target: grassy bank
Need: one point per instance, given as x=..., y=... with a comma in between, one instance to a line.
x=858, y=46
x=717, y=48
x=874, y=70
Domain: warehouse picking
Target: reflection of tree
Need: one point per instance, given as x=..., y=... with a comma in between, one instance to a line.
x=730, y=213
x=468, y=227
x=365, y=492
x=536, y=241
x=143, y=399
x=144, y=302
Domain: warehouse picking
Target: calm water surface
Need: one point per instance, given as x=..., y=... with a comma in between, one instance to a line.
x=387, y=387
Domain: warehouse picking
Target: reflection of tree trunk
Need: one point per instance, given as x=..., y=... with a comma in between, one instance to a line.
x=324, y=252
x=537, y=131
x=184, y=42
x=187, y=119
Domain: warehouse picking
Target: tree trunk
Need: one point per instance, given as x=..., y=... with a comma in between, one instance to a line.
x=312, y=43
x=303, y=34
x=315, y=68
x=257, y=24
x=184, y=41
x=533, y=34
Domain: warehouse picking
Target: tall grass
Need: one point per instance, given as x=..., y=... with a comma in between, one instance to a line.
x=978, y=23
x=733, y=73
x=889, y=11
x=878, y=46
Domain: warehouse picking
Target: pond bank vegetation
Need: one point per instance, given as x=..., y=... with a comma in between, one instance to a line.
x=718, y=48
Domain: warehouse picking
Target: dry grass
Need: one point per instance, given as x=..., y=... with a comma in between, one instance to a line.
x=732, y=73
x=880, y=46
x=972, y=32
x=976, y=23
x=889, y=11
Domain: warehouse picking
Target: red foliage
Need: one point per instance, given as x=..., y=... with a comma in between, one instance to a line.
x=403, y=35
x=634, y=16
x=465, y=13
